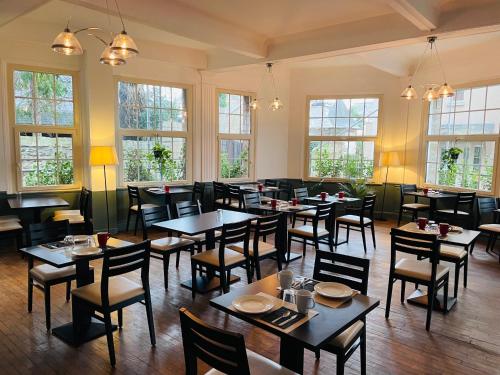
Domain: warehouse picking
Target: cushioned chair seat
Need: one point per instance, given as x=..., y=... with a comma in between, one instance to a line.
x=219, y=201
x=46, y=272
x=253, y=222
x=8, y=226
x=308, y=213
x=234, y=204
x=416, y=206
x=73, y=219
x=490, y=227
x=170, y=243
x=451, y=211
x=120, y=289
x=7, y=218
x=345, y=339
x=419, y=269
x=67, y=212
x=143, y=206
x=307, y=231
x=259, y=365
x=453, y=251
x=352, y=219
x=264, y=248
x=211, y=257
x=200, y=237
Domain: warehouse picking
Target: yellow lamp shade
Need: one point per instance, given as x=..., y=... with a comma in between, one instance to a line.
x=103, y=155
x=389, y=159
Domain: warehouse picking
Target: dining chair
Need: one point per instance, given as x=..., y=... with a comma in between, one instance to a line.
x=414, y=208
x=353, y=272
x=223, y=259
x=223, y=350
x=360, y=218
x=302, y=194
x=80, y=219
x=163, y=247
x=313, y=233
x=135, y=205
x=115, y=292
x=488, y=209
x=11, y=227
x=426, y=272
x=198, y=192
x=286, y=189
x=272, y=184
x=259, y=249
x=235, y=201
x=250, y=199
x=462, y=211
x=220, y=195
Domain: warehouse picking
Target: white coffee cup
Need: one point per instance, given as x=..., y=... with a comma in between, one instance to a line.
x=304, y=300
x=286, y=278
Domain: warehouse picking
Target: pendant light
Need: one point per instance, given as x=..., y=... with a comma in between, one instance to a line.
x=123, y=44
x=409, y=93
x=275, y=104
x=109, y=57
x=67, y=43
x=430, y=94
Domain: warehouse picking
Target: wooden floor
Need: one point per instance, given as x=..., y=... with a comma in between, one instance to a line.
x=466, y=341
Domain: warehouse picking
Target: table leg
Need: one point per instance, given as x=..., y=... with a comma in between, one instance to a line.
x=432, y=208
x=282, y=239
x=292, y=355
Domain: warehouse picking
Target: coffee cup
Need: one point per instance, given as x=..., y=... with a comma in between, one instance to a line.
x=323, y=195
x=422, y=222
x=260, y=187
x=286, y=278
x=304, y=300
x=426, y=191
x=102, y=238
x=274, y=203
x=166, y=188
x=341, y=195
x=294, y=201
x=444, y=228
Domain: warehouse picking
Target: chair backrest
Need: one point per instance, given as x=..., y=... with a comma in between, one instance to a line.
x=222, y=350
x=220, y=190
x=486, y=206
x=266, y=225
x=198, y=191
x=368, y=206
x=188, y=208
x=51, y=231
x=232, y=233
x=85, y=204
x=286, y=188
x=234, y=193
x=134, y=196
x=301, y=193
x=269, y=182
x=344, y=269
x=123, y=260
x=406, y=188
x=250, y=199
x=326, y=212
x=465, y=202
x=154, y=215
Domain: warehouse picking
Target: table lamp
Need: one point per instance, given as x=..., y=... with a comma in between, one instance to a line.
x=387, y=160
x=103, y=155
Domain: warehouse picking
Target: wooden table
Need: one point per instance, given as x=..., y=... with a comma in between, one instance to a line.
x=254, y=188
x=311, y=335
x=36, y=204
x=205, y=223
x=332, y=199
x=466, y=239
x=174, y=190
x=433, y=199
x=59, y=258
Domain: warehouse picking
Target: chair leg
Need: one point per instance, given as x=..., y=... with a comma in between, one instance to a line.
x=249, y=272
x=304, y=245
x=348, y=232
x=363, y=236
x=330, y=242
x=362, y=350
x=109, y=337
x=389, y=297
x=294, y=218
x=340, y=364
x=46, y=291
x=445, y=296
x=431, y=293
x=337, y=227
x=136, y=223
x=289, y=248
x=128, y=221
x=400, y=215
x=257, y=269
x=166, y=263
x=278, y=260
x=373, y=235
x=120, y=318
x=68, y=290
x=403, y=285
x=222, y=281
x=457, y=277
x=149, y=313
x=317, y=353
x=177, y=258
x=466, y=268
x=193, y=279
x=30, y=294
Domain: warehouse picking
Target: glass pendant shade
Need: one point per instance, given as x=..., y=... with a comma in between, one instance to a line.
x=67, y=44
x=276, y=104
x=409, y=93
x=124, y=46
x=430, y=95
x=108, y=57
x=446, y=91
x=254, y=104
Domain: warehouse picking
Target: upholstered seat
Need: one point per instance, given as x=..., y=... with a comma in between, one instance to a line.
x=490, y=227
x=345, y=339
x=352, y=219
x=219, y=201
x=67, y=212
x=264, y=248
x=451, y=211
x=143, y=206
x=450, y=251
x=9, y=218
x=416, y=206
x=170, y=243
x=119, y=289
x=419, y=269
x=8, y=226
x=234, y=204
x=259, y=365
x=308, y=213
x=307, y=231
x=73, y=219
x=46, y=272
x=211, y=257
x=199, y=237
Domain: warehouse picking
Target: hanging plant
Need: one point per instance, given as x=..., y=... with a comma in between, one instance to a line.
x=163, y=161
x=450, y=157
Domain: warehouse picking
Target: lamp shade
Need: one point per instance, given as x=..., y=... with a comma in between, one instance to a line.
x=67, y=44
x=389, y=159
x=103, y=155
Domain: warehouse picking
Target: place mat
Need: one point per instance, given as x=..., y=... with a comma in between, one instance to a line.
x=333, y=302
x=276, y=319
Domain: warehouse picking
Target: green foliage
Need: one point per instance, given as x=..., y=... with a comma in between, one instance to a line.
x=162, y=161
x=344, y=167
x=355, y=188
x=235, y=168
x=53, y=172
x=135, y=169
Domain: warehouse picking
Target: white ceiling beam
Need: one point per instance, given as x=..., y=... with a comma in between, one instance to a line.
x=421, y=13
x=11, y=9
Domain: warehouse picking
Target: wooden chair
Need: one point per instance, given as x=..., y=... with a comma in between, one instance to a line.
x=135, y=206
x=286, y=189
x=302, y=194
x=80, y=219
x=313, y=233
x=220, y=195
x=488, y=207
x=353, y=272
x=223, y=259
x=462, y=212
x=115, y=292
x=235, y=195
x=259, y=249
x=360, y=218
x=198, y=192
x=273, y=184
x=11, y=227
x=163, y=247
x=429, y=273
x=223, y=350
x=414, y=207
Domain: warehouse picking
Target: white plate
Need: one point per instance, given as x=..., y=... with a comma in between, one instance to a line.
x=333, y=290
x=80, y=238
x=86, y=251
x=253, y=304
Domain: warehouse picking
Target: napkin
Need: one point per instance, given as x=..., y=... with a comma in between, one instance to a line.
x=272, y=316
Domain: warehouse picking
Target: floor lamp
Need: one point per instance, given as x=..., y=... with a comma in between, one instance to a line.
x=387, y=160
x=103, y=155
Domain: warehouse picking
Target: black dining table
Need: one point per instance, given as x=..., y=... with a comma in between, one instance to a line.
x=313, y=334
x=433, y=198
x=205, y=223
x=167, y=196
x=36, y=204
x=60, y=257
x=254, y=188
x=331, y=199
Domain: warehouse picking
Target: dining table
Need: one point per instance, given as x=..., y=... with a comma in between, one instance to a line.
x=433, y=197
x=326, y=324
x=58, y=255
x=205, y=223
x=332, y=199
x=167, y=196
x=253, y=187
x=465, y=238
x=36, y=204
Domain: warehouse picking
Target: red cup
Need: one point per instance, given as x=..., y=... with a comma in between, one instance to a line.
x=444, y=228
x=102, y=238
x=166, y=188
x=294, y=201
x=260, y=187
x=422, y=222
x=341, y=195
x=426, y=191
x=323, y=195
x=274, y=203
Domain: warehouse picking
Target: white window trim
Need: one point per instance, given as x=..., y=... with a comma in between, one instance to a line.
x=376, y=139
x=17, y=129
x=250, y=137
x=160, y=133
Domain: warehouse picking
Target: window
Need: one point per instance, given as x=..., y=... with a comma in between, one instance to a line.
x=469, y=121
x=235, y=136
x=154, y=132
x=45, y=124
x=341, y=137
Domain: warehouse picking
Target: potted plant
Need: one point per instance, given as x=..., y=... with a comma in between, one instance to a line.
x=450, y=157
x=162, y=158
x=355, y=188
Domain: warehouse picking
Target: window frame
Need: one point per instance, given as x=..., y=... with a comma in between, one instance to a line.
x=225, y=136
x=188, y=134
x=310, y=138
x=423, y=147
x=74, y=131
